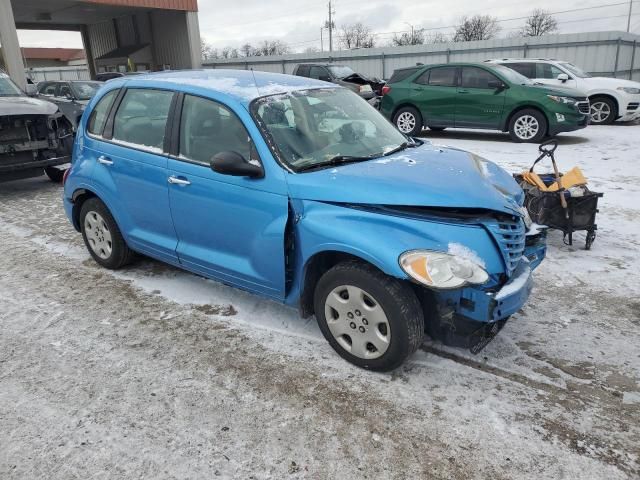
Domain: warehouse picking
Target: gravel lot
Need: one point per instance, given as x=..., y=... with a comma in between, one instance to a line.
x=156, y=373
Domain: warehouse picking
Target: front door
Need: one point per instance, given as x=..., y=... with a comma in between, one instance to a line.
x=434, y=93
x=230, y=228
x=480, y=103
x=131, y=170
x=547, y=73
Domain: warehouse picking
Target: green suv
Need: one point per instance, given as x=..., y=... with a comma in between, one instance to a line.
x=486, y=96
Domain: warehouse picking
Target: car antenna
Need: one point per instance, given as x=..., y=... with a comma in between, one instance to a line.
x=255, y=82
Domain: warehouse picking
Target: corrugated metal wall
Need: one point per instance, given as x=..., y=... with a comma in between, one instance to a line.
x=595, y=52
x=58, y=73
x=171, y=39
x=102, y=37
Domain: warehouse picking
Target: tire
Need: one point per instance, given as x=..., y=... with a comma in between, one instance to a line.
x=437, y=129
x=102, y=236
x=528, y=125
x=55, y=174
x=358, y=290
x=603, y=111
x=408, y=120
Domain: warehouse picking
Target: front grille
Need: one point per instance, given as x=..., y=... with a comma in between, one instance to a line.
x=632, y=106
x=510, y=235
x=584, y=107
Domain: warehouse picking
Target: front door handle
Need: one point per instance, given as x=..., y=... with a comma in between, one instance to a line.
x=105, y=160
x=463, y=91
x=179, y=181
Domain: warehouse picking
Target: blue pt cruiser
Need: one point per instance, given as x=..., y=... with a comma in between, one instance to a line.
x=300, y=191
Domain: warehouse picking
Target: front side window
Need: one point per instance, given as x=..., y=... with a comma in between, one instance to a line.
x=47, y=89
x=547, y=71
x=141, y=119
x=442, y=77
x=313, y=128
x=208, y=128
x=318, y=73
x=303, y=70
x=65, y=90
x=578, y=72
x=85, y=90
x=99, y=115
x=340, y=71
x=474, y=77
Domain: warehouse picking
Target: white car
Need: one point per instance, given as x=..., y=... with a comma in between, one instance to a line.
x=611, y=98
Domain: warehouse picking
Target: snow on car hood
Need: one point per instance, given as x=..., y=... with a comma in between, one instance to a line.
x=612, y=83
x=26, y=106
x=426, y=176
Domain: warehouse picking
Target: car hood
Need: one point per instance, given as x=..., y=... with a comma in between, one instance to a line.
x=26, y=106
x=612, y=83
x=558, y=90
x=426, y=176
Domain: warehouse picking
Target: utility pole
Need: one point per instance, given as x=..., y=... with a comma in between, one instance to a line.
x=629, y=17
x=330, y=26
x=321, y=41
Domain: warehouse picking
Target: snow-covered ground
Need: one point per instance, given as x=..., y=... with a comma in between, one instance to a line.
x=152, y=372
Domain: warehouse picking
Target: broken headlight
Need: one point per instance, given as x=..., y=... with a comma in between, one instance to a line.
x=441, y=270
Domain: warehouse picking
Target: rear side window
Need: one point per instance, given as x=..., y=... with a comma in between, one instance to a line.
x=208, y=128
x=141, y=119
x=303, y=70
x=474, y=77
x=48, y=89
x=100, y=112
x=442, y=77
x=400, y=75
x=526, y=69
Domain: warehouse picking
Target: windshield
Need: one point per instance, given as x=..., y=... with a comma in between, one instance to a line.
x=85, y=90
x=317, y=128
x=8, y=88
x=511, y=75
x=578, y=72
x=340, y=71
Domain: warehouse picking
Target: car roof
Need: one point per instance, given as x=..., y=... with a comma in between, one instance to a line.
x=526, y=60
x=243, y=86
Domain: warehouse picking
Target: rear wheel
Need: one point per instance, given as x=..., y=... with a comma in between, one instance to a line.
x=102, y=236
x=528, y=125
x=408, y=120
x=54, y=174
x=603, y=111
x=371, y=320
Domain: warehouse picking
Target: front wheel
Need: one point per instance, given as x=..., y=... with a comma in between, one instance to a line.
x=603, y=111
x=408, y=120
x=528, y=126
x=55, y=174
x=370, y=319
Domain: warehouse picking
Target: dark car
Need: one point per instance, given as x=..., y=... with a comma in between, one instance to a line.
x=71, y=96
x=34, y=135
x=342, y=75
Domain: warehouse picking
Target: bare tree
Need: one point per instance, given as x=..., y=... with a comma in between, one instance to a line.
x=478, y=27
x=271, y=47
x=247, y=50
x=229, y=52
x=540, y=22
x=415, y=37
x=311, y=50
x=208, y=52
x=437, y=37
x=356, y=35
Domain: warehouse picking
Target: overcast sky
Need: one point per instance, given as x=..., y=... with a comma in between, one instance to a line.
x=297, y=22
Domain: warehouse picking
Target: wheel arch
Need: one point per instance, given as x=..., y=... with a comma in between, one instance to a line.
x=608, y=96
x=519, y=108
x=403, y=105
x=78, y=198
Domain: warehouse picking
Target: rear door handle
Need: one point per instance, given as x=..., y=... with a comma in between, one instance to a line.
x=179, y=181
x=105, y=160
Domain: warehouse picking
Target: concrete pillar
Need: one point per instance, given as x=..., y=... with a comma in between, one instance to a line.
x=193, y=32
x=10, y=46
x=88, y=50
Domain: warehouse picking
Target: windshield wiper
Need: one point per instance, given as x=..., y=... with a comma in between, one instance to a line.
x=337, y=160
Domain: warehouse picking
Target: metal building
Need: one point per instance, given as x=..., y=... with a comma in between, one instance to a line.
x=117, y=34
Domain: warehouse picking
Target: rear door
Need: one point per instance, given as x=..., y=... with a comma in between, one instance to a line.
x=479, y=103
x=435, y=93
x=131, y=170
x=231, y=228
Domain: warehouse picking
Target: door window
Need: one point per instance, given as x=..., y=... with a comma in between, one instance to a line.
x=303, y=70
x=442, y=77
x=547, y=71
x=65, y=90
x=527, y=69
x=100, y=112
x=48, y=89
x=141, y=119
x=474, y=77
x=208, y=128
x=318, y=73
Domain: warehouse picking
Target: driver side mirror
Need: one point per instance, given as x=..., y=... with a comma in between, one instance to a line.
x=31, y=90
x=496, y=84
x=234, y=164
x=563, y=77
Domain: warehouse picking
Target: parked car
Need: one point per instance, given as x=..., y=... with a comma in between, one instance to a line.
x=35, y=137
x=71, y=96
x=367, y=88
x=611, y=98
x=486, y=96
x=301, y=192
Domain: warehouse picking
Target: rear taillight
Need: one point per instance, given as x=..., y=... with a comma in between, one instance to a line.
x=386, y=89
x=66, y=174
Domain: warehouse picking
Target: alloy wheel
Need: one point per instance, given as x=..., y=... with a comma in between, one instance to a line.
x=357, y=322
x=406, y=122
x=98, y=235
x=600, y=112
x=526, y=127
